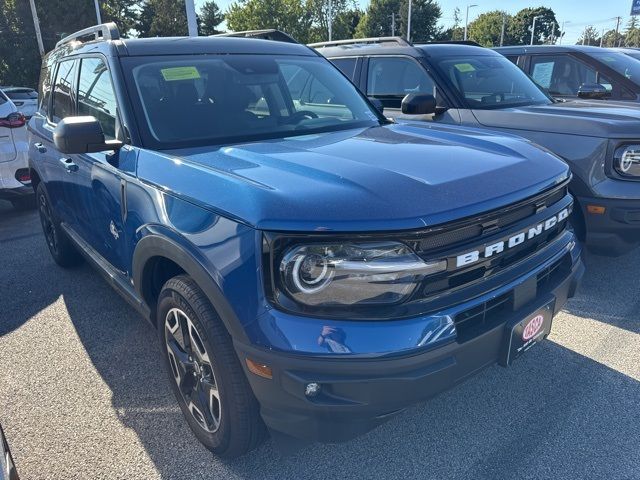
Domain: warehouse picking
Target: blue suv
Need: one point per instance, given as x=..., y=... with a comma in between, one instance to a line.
x=309, y=266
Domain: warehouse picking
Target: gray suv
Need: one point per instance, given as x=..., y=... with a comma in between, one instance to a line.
x=469, y=85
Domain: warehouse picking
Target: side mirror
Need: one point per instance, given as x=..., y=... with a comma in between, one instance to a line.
x=593, y=91
x=82, y=135
x=377, y=104
x=418, y=104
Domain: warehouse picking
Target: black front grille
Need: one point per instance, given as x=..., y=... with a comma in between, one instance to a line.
x=481, y=318
x=489, y=224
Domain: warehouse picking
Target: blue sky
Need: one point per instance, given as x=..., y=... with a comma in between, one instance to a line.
x=579, y=13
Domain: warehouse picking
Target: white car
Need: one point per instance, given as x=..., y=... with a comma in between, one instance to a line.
x=25, y=99
x=15, y=179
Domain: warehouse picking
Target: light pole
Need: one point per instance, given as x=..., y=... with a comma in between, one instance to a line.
x=98, y=16
x=466, y=19
x=330, y=19
x=192, y=23
x=533, y=28
x=562, y=31
x=36, y=24
x=409, y=23
x=504, y=23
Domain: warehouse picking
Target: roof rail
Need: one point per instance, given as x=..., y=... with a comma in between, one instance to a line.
x=266, y=34
x=453, y=42
x=105, y=31
x=362, y=41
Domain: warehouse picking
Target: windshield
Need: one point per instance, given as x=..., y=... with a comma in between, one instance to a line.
x=621, y=63
x=489, y=82
x=217, y=99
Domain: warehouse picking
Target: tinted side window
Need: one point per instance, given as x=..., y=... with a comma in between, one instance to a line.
x=346, y=66
x=561, y=74
x=96, y=96
x=44, y=87
x=391, y=78
x=3, y=98
x=62, y=99
x=513, y=59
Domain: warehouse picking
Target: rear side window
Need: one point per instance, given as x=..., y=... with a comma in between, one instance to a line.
x=3, y=98
x=62, y=99
x=96, y=96
x=561, y=74
x=346, y=66
x=25, y=94
x=391, y=78
x=44, y=87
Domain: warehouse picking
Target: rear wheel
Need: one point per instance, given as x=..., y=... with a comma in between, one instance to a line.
x=60, y=247
x=204, y=370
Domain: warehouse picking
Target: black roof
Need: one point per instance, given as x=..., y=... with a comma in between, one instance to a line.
x=433, y=50
x=190, y=45
x=517, y=50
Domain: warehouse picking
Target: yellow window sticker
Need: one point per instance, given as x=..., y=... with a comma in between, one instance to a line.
x=180, y=73
x=465, y=67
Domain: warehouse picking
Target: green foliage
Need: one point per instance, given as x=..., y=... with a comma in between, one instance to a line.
x=162, y=18
x=290, y=16
x=519, y=28
x=632, y=34
x=209, y=18
x=610, y=39
x=19, y=57
x=589, y=36
x=425, y=14
x=346, y=16
x=487, y=28
x=123, y=12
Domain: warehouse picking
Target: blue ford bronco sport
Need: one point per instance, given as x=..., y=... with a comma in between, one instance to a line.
x=309, y=266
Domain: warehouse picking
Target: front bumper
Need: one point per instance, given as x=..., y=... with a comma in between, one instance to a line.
x=617, y=230
x=360, y=391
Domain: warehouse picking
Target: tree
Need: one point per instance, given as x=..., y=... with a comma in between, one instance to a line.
x=345, y=16
x=19, y=56
x=610, y=39
x=519, y=30
x=123, y=12
x=290, y=16
x=589, y=36
x=425, y=14
x=209, y=18
x=162, y=18
x=424, y=19
x=487, y=28
x=632, y=33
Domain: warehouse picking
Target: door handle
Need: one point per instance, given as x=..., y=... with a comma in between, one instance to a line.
x=69, y=165
x=40, y=147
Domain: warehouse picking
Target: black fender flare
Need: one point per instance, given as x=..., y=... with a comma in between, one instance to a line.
x=156, y=243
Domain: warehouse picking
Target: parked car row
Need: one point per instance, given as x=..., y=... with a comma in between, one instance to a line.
x=312, y=267
x=467, y=85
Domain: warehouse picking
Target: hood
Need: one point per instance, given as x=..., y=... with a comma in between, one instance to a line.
x=592, y=119
x=393, y=177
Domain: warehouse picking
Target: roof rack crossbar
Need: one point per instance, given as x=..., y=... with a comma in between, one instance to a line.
x=362, y=41
x=105, y=31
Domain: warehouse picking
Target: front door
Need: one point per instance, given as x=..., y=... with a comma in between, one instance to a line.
x=99, y=184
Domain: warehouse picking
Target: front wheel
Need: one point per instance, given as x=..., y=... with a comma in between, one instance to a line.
x=204, y=370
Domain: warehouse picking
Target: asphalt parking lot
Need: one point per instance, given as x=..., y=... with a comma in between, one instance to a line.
x=83, y=394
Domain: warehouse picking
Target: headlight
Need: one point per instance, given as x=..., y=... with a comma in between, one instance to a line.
x=327, y=275
x=626, y=161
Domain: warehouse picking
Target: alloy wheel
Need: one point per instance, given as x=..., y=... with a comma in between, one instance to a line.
x=192, y=369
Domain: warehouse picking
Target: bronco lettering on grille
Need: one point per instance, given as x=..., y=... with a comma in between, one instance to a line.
x=511, y=242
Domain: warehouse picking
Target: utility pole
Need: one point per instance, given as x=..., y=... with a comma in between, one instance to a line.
x=584, y=35
x=409, y=23
x=562, y=30
x=533, y=28
x=36, y=24
x=98, y=16
x=466, y=20
x=602, y=37
x=504, y=23
x=192, y=23
x=393, y=24
x=553, y=34
x=618, y=19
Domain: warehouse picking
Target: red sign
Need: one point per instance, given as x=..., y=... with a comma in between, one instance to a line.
x=533, y=327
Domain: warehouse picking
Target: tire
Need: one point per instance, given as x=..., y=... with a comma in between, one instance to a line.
x=60, y=247
x=24, y=204
x=204, y=371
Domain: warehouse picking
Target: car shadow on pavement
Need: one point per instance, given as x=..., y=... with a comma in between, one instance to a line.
x=610, y=292
x=554, y=414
